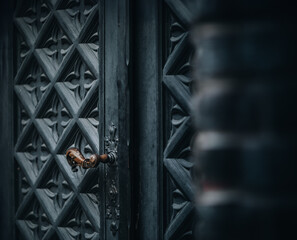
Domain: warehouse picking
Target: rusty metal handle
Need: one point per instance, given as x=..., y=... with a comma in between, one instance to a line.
x=75, y=158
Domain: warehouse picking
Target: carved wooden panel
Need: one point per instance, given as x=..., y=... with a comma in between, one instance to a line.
x=56, y=82
x=177, y=153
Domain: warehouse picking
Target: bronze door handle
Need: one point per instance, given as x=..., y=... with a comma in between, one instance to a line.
x=75, y=158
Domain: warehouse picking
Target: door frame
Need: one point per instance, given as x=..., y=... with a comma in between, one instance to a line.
x=146, y=119
x=116, y=64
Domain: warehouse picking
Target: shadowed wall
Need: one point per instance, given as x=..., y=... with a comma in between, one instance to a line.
x=246, y=114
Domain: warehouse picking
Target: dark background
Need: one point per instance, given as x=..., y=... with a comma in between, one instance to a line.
x=6, y=202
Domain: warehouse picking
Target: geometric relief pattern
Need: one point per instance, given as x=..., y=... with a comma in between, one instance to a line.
x=78, y=84
x=33, y=154
x=54, y=119
x=24, y=116
x=54, y=192
x=34, y=221
x=53, y=48
x=78, y=226
x=79, y=81
x=56, y=87
x=31, y=16
x=22, y=50
x=177, y=153
x=32, y=85
x=24, y=188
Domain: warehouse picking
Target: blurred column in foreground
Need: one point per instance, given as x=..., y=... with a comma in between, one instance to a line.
x=246, y=116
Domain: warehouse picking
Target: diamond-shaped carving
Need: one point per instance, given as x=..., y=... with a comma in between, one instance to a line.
x=23, y=116
x=22, y=50
x=183, y=214
x=91, y=113
x=177, y=32
x=178, y=116
x=179, y=87
x=177, y=152
x=78, y=226
x=91, y=33
x=32, y=154
x=89, y=124
x=32, y=15
x=33, y=222
x=179, y=202
x=179, y=59
x=54, y=192
x=75, y=15
x=88, y=199
x=24, y=186
x=78, y=84
x=179, y=170
x=53, y=49
x=89, y=53
x=180, y=140
x=89, y=46
x=53, y=120
x=31, y=86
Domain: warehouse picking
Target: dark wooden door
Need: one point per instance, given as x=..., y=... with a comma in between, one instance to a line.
x=70, y=77
x=70, y=83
